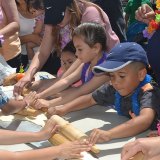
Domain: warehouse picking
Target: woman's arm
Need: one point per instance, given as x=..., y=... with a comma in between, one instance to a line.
x=10, y=10
x=38, y=61
x=62, y=83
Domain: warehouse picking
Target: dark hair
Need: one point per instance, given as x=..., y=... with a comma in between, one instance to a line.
x=36, y=4
x=91, y=33
x=69, y=48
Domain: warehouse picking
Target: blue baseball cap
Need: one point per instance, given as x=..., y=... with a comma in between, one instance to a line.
x=122, y=55
x=55, y=10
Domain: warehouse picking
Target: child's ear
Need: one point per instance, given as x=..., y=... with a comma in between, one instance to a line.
x=142, y=73
x=97, y=47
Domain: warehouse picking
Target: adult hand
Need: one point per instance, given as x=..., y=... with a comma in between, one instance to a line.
x=148, y=146
x=73, y=149
x=145, y=13
x=23, y=82
x=99, y=136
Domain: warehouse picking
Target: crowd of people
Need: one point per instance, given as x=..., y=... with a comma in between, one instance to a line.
x=95, y=51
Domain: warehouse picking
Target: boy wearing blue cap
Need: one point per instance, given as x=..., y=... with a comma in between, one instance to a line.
x=130, y=91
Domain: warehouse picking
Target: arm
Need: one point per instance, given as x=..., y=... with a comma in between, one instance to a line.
x=16, y=137
x=10, y=10
x=131, y=127
x=38, y=26
x=62, y=83
x=86, y=88
x=65, y=151
x=72, y=68
x=38, y=61
x=35, y=38
x=77, y=104
x=13, y=106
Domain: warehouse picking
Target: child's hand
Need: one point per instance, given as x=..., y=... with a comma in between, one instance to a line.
x=73, y=149
x=58, y=110
x=99, y=136
x=49, y=129
x=41, y=103
x=31, y=98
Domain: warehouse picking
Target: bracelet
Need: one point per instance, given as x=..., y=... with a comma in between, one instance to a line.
x=1, y=40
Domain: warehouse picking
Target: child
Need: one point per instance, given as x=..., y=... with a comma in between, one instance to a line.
x=67, y=58
x=36, y=8
x=90, y=42
x=69, y=150
x=130, y=91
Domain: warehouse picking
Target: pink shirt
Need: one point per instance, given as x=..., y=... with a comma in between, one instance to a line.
x=91, y=14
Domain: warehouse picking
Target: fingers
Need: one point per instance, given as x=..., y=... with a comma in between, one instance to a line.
x=94, y=136
x=130, y=150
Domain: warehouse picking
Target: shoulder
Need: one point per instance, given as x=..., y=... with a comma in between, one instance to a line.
x=150, y=97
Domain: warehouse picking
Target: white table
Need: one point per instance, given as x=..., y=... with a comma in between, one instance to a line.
x=86, y=120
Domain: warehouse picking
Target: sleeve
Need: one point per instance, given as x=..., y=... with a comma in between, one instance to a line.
x=128, y=7
x=104, y=95
x=92, y=14
x=150, y=99
x=3, y=99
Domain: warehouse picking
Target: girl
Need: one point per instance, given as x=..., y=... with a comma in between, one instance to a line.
x=67, y=58
x=9, y=26
x=90, y=42
x=61, y=17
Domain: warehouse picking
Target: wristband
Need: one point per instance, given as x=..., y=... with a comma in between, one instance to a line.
x=1, y=40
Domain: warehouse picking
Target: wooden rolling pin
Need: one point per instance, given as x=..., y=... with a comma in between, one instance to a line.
x=138, y=156
x=58, y=139
x=70, y=132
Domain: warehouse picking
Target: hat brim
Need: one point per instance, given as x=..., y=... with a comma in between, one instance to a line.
x=109, y=66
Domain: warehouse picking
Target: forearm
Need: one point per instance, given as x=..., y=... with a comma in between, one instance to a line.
x=129, y=128
x=79, y=103
x=40, y=154
x=26, y=38
x=44, y=51
x=14, y=137
x=10, y=29
x=62, y=84
x=59, y=86
x=13, y=106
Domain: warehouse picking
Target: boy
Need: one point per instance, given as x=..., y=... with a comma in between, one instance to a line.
x=130, y=90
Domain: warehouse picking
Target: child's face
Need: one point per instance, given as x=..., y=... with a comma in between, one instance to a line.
x=36, y=12
x=67, y=59
x=83, y=51
x=125, y=80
